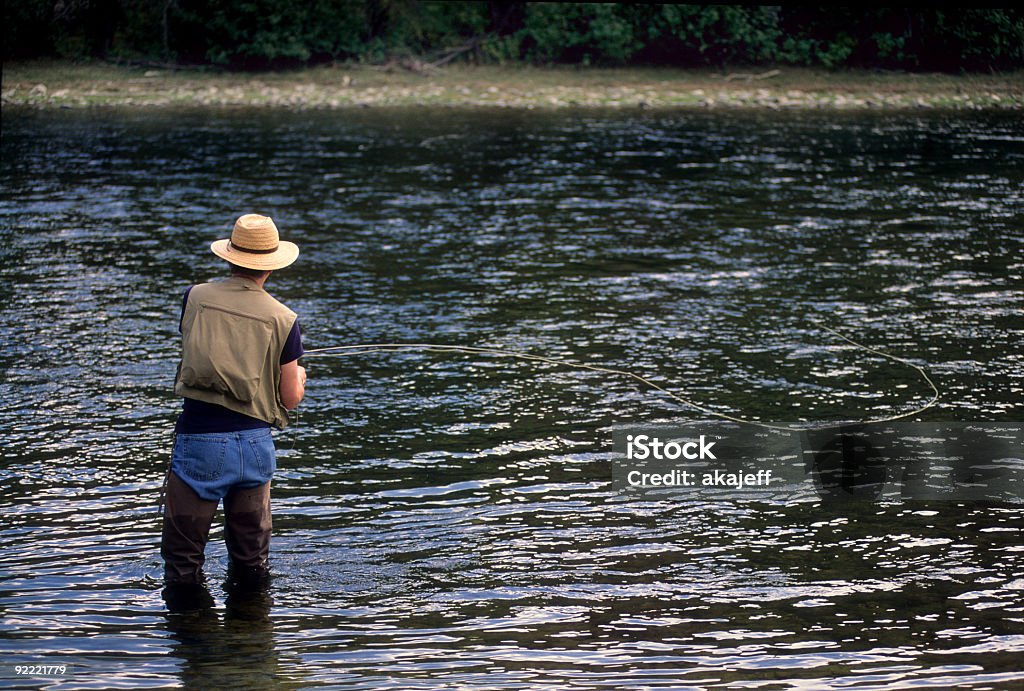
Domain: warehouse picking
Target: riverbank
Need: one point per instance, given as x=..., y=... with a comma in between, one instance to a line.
x=65, y=85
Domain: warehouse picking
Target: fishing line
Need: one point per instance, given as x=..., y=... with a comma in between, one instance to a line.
x=367, y=348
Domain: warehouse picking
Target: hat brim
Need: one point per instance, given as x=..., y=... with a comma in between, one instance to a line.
x=285, y=254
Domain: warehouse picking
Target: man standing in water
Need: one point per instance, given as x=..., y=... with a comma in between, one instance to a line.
x=239, y=376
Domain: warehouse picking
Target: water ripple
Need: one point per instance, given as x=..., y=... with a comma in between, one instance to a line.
x=447, y=520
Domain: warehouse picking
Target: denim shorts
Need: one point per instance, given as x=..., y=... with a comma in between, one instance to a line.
x=214, y=463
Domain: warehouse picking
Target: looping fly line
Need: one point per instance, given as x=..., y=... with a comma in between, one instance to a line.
x=366, y=348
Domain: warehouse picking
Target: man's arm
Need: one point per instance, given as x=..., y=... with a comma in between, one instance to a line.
x=293, y=384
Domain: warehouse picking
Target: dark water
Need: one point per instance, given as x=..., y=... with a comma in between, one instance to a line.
x=447, y=521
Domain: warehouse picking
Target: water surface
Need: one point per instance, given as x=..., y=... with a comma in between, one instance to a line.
x=447, y=521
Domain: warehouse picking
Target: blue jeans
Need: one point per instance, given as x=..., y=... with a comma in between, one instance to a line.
x=205, y=468
x=214, y=463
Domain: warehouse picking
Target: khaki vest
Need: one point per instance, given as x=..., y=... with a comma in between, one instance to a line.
x=232, y=335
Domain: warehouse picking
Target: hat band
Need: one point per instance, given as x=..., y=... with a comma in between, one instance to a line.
x=252, y=251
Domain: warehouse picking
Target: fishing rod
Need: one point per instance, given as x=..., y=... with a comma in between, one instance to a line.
x=367, y=348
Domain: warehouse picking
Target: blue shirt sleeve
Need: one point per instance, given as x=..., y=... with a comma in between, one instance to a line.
x=293, y=346
x=184, y=301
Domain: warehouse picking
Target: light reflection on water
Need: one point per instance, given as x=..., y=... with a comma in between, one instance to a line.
x=448, y=519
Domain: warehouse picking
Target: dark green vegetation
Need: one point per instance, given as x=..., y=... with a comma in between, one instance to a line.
x=255, y=34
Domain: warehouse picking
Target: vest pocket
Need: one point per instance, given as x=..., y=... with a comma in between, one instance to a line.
x=226, y=352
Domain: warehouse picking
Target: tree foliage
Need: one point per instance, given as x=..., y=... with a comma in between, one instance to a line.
x=275, y=33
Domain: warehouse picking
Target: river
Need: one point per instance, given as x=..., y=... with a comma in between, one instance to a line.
x=447, y=520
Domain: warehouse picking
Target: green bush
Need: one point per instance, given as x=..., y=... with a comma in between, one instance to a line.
x=988, y=39
x=582, y=33
x=265, y=33
x=712, y=34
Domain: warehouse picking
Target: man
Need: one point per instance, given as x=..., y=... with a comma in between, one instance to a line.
x=239, y=376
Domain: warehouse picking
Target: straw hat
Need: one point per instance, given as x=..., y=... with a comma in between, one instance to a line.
x=255, y=244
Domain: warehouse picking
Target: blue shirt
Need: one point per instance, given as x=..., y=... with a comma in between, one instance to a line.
x=200, y=417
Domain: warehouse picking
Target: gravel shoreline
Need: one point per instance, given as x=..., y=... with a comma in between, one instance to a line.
x=70, y=86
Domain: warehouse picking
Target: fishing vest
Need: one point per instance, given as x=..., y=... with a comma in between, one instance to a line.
x=232, y=335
